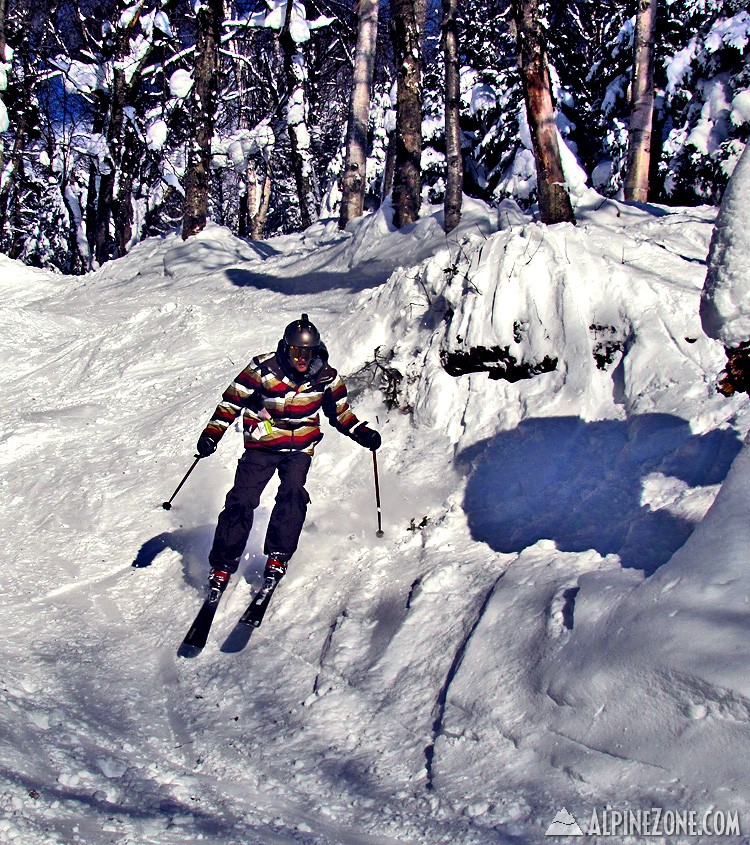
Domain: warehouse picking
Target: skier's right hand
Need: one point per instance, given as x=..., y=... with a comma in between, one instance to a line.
x=206, y=445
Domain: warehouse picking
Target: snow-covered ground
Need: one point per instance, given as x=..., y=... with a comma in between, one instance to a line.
x=541, y=626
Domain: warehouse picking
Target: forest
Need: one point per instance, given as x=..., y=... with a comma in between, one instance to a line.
x=125, y=119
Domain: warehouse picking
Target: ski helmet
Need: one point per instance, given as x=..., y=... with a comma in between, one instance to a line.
x=301, y=341
x=302, y=333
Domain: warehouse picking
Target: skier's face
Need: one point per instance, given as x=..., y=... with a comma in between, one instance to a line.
x=300, y=358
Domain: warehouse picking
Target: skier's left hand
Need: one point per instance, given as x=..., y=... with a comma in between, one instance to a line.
x=367, y=437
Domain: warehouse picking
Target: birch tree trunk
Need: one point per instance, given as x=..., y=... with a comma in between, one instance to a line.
x=407, y=22
x=303, y=163
x=642, y=103
x=353, y=182
x=254, y=201
x=195, y=208
x=554, y=202
x=454, y=165
x=258, y=219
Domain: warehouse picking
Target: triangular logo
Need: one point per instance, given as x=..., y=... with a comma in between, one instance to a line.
x=564, y=825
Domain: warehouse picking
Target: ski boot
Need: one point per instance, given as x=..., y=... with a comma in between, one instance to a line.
x=217, y=583
x=274, y=571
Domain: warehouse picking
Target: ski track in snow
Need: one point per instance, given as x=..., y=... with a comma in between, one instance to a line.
x=400, y=690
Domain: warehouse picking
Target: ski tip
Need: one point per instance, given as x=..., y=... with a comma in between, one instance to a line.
x=187, y=650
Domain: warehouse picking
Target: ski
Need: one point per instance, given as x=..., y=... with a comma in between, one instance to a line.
x=251, y=618
x=256, y=610
x=197, y=635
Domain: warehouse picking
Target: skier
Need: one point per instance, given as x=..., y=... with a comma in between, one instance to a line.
x=279, y=395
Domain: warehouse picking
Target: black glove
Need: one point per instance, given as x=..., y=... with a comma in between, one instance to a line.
x=367, y=437
x=206, y=445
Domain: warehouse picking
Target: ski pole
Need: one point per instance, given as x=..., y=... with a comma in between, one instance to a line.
x=379, y=532
x=168, y=504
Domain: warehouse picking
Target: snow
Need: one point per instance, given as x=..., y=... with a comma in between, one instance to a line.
x=79, y=76
x=554, y=623
x=678, y=66
x=734, y=32
x=741, y=107
x=713, y=127
x=156, y=134
x=725, y=302
x=299, y=26
x=180, y=84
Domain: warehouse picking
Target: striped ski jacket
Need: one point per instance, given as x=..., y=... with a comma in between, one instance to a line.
x=278, y=413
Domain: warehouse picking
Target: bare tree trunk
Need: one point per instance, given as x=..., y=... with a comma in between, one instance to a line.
x=554, y=202
x=454, y=164
x=123, y=205
x=115, y=129
x=258, y=220
x=642, y=103
x=78, y=247
x=407, y=21
x=107, y=179
x=248, y=199
x=3, y=5
x=14, y=170
x=133, y=152
x=195, y=209
x=353, y=181
x=99, y=124
x=2, y=59
x=389, y=168
x=303, y=164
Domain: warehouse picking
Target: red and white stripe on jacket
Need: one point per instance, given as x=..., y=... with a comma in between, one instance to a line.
x=294, y=423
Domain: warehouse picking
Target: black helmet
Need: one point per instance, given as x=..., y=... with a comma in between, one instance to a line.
x=302, y=333
x=301, y=343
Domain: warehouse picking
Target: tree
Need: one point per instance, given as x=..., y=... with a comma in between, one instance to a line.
x=724, y=299
x=303, y=162
x=642, y=103
x=209, y=17
x=454, y=170
x=554, y=202
x=407, y=25
x=24, y=37
x=353, y=181
x=124, y=84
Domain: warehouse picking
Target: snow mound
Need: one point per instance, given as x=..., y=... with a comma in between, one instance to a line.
x=725, y=304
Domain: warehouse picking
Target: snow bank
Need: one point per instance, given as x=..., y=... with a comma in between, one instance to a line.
x=725, y=302
x=563, y=319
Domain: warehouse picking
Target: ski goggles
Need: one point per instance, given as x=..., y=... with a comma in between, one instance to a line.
x=300, y=354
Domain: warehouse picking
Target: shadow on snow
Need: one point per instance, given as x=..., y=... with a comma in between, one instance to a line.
x=368, y=274
x=582, y=485
x=193, y=546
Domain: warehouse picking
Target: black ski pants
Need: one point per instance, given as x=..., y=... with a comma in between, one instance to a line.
x=254, y=470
